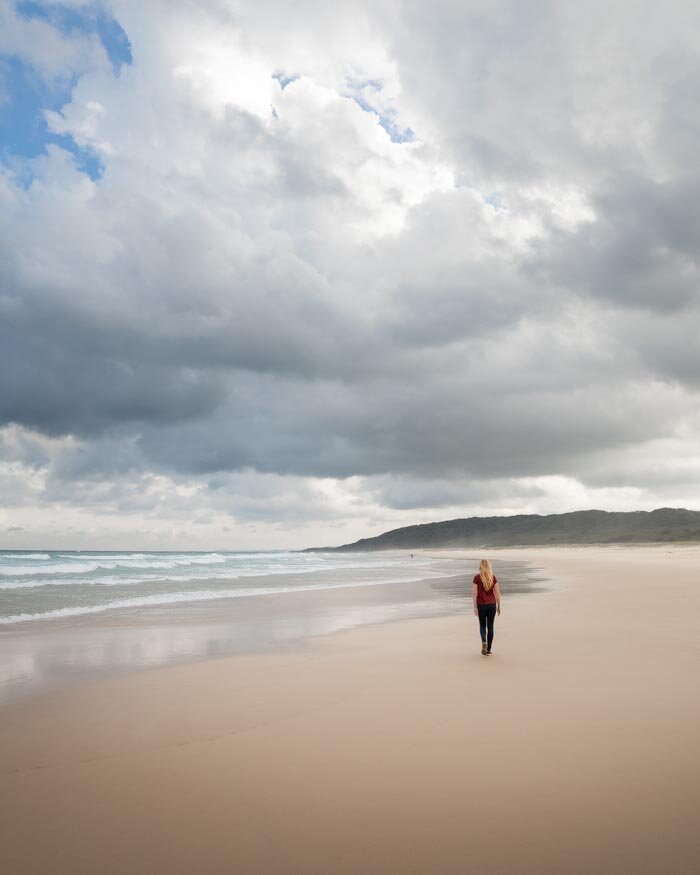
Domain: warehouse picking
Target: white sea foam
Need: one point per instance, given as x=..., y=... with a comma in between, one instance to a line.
x=102, y=564
x=63, y=574
x=185, y=597
x=119, y=580
x=88, y=564
x=56, y=568
x=23, y=556
x=196, y=558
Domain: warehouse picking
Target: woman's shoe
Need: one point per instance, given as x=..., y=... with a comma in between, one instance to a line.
x=484, y=651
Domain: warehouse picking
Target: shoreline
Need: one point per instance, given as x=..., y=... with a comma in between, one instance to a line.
x=41, y=655
x=387, y=748
x=116, y=646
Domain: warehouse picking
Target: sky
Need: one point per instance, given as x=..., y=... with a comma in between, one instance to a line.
x=278, y=275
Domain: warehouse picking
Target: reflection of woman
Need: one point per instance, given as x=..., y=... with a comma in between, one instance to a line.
x=487, y=603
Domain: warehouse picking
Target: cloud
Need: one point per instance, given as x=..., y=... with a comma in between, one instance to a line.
x=270, y=296
x=55, y=53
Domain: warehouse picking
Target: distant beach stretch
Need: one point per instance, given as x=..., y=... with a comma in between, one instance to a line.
x=382, y=747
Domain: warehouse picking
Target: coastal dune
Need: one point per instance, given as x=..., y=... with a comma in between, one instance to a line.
x=394, y=748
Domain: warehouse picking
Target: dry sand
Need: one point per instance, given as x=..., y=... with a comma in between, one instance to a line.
x=389, y=749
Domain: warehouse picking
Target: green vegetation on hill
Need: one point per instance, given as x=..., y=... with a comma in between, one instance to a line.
x=579, y=527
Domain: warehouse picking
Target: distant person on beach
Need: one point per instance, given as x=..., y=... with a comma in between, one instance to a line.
x=487, y=603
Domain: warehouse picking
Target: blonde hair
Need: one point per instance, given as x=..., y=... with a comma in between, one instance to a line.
x=486, y=573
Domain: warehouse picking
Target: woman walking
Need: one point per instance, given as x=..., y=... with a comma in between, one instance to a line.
x=487, y=603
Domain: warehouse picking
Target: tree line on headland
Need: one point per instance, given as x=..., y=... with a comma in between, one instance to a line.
x=665, y=524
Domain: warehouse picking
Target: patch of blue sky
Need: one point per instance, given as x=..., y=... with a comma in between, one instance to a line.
x=115, y=41
x=497, y=200
x=386, y=120
x=361, y=84
x=24, y=133
x=86, y=160
x=360, y=91
x=23, y=129
x=25, y=95
x=283, y=78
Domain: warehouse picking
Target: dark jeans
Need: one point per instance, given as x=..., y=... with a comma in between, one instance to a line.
x=487, y=615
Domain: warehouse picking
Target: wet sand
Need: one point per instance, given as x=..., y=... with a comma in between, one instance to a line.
x=393, y=748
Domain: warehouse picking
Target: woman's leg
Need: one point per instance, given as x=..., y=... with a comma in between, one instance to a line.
x=490, y=616
x=482, y=621
x=490, y=620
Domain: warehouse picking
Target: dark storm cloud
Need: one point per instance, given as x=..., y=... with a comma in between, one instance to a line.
x=334, y=430
x=643, y=249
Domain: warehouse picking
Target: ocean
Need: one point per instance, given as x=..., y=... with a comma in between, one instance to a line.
x=62, y=584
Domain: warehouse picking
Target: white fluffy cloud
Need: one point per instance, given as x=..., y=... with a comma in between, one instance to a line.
x=56, y=56
x=349, y=268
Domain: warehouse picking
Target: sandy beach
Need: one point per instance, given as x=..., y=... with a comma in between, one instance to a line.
x=393, y=748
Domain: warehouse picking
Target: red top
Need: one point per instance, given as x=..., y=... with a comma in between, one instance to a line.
x=484, y=597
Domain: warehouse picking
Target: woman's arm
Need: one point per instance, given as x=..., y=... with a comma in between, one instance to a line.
x=497, y=593
x=475, y=592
